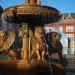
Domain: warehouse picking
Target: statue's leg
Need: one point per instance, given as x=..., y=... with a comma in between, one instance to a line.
x=43, y=52
x=33, y=55
x=38, y=55
x=21, y=54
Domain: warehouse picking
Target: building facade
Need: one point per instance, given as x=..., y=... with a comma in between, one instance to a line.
x=67, y=28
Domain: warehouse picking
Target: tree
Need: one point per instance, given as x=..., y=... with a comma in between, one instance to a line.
x=1, y=11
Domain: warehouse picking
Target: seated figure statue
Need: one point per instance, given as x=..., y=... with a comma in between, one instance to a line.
x=55, y=46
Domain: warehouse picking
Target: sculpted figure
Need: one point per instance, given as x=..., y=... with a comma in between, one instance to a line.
x=6, y=39
x=38, y=44
x=54, y=43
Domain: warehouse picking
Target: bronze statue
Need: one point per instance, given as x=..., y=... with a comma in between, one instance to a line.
x=38, y=44
x=54, y=43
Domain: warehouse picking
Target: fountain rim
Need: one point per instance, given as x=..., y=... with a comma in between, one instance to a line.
x=51, y=9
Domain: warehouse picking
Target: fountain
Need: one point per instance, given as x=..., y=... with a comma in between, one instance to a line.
x=30, y=16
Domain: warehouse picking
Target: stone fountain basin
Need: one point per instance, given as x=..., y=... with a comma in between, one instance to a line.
x=22, y=67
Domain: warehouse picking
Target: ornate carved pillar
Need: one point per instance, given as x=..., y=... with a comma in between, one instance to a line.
x=23, y=33
x=26, y=34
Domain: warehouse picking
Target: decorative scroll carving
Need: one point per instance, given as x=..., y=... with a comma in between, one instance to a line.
x=6, y=39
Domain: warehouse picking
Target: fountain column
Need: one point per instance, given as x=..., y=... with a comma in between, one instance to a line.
x=25, y=44
x=26, y=35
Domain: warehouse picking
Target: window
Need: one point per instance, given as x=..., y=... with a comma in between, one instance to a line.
x=69, y=29
x=72, y=44
x=71, y=36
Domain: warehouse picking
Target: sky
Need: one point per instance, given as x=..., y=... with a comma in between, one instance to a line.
x=64, y=6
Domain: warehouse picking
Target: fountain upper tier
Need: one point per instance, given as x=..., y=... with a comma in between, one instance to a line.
x=32, y=13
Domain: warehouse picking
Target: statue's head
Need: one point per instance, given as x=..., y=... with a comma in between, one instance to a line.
x=54, y=36
x=38, y=32
x=54, y=41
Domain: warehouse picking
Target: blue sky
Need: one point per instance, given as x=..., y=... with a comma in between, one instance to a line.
x=64, y=6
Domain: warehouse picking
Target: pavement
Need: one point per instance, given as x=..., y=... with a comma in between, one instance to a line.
x=70, y=68
x=22, y=67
